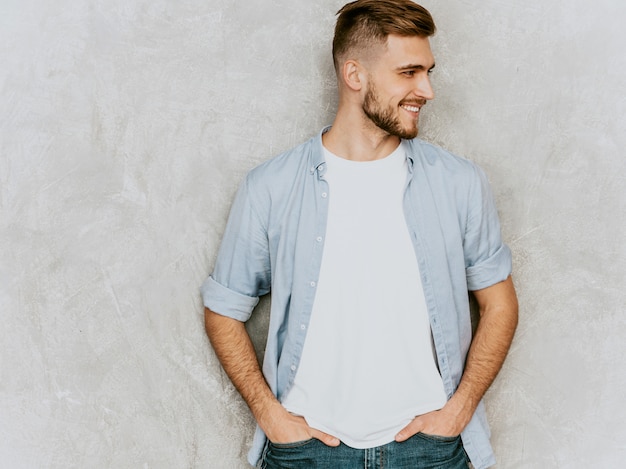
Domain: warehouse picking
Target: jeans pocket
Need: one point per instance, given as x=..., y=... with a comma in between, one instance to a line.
x=294, y=444
x=293, y=455
x=438, y=438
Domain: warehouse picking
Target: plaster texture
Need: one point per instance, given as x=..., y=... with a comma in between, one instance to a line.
x=126, y=127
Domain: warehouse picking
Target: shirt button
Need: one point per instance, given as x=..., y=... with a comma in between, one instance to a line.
x=302, y=326
x=319, y=239
x=312, y=284
x=293, y=367
x=324, y=195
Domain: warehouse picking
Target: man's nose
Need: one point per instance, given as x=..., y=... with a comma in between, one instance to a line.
x=424, y=88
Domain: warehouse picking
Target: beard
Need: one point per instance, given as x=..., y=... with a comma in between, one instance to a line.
x=386, y=119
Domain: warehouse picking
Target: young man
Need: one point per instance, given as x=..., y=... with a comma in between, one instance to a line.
x=369, y=240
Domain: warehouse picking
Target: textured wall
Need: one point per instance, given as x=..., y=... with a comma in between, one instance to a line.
x=126, y=126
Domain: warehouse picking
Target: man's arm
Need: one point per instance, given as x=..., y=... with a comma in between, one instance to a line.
x=235, y=351
x=498, y=320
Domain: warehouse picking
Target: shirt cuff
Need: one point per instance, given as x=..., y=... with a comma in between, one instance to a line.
x=224, y=301
x=490, y=271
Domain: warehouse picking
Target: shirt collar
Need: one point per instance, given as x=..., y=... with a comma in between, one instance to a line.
x=408, y=151
x=317, y=156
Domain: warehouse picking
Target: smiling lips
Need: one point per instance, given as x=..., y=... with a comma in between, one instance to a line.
x=411, y=108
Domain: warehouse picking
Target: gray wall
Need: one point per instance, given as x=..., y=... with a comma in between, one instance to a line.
x=126, y=126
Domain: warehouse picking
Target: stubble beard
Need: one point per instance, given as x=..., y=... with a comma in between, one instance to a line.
x=385, y=119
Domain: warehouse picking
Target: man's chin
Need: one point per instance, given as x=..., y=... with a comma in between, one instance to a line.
x=408, y=134
x=397, y=130
x=408, y=131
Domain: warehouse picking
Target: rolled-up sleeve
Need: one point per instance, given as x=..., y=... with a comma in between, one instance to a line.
x=487, y=258
x=242, y=270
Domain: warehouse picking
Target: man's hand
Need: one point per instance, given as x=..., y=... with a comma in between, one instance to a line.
x=286, y=428
x=450, y=420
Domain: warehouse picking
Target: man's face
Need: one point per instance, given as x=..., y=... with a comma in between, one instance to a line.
x=398, y=85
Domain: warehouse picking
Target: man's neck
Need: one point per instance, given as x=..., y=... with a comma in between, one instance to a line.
x=358, y=141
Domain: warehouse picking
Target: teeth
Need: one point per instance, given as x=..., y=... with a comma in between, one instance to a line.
x=411, y=108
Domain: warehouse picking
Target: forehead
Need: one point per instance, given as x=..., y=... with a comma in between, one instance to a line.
x=407, y=49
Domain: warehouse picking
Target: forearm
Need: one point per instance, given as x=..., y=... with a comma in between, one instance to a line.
x=235, y=351
x=490, y=345
x=498, y=311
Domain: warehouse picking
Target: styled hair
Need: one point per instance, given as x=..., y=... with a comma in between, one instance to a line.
x=363, y=24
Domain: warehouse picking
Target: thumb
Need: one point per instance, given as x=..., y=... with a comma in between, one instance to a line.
x=414, y=426
x=325, y=438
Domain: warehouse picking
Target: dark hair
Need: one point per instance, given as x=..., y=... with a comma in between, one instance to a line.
x=366, y=23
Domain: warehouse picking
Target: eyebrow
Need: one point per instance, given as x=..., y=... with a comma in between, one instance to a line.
x=414, y=67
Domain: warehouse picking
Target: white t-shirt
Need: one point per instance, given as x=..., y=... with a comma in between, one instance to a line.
x=367, y=368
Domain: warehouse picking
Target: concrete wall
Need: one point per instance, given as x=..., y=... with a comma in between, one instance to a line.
x=126, y=126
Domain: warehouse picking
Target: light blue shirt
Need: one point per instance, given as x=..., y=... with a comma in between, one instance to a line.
x=275, y=236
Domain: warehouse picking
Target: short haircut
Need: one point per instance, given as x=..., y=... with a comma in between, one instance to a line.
x=363, y=24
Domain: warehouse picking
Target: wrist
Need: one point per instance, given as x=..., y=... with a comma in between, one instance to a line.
x=461, y=407
x=270, y=416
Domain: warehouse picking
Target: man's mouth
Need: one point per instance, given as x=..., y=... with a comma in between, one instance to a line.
x=411, y=108
x=414, y=108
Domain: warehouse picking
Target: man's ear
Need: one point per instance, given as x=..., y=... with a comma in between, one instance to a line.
x=353, y=75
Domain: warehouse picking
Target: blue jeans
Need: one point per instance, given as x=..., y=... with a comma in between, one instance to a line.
x=418, y=452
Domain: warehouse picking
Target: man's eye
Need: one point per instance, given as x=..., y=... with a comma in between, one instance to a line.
x=409, y=73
